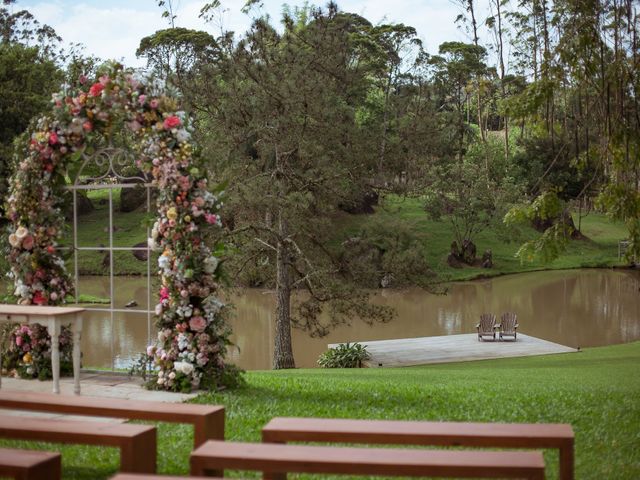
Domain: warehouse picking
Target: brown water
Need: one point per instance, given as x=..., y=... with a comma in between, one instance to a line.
x=582, y=308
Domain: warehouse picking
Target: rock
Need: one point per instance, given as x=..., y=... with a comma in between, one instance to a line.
x=140, y=254
x=131, y=304
x=487, y=259
x=453, y=261
x=83, y=205
x=133, y=198
x=468, y=252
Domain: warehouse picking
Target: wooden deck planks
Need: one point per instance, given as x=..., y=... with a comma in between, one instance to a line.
x=453, y=348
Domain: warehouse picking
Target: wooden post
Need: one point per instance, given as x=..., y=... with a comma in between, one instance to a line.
x=138, y=455
x=567, y=460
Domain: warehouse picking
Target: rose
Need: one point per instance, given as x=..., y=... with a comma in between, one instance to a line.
x=184, y=367
x=96, y=89
x=87, y=126
x=172, y=213
x=19, y=341
x=14, y=241
x=39, y=298
x=171, y=122
x=154, y=103
x=53, y=138
x=197, y=324
x=21, y=232
x=27, y=243
x=211, y=218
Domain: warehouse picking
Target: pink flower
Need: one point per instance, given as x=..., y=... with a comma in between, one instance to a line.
x=211, y=218
x=199, y=201
x=96, y=89
x=134, y=126
x=154, y=103
x=53, y=138
x=39, y=298
x=141, y=99
x=171, y=122
x=27, y=243
x=19, y=341
x=87, y=126
x=164, y=293
x=82, y=79
x=197, y=324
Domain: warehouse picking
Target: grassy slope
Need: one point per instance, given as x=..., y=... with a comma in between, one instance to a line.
x=93, y=231
x=595, y=390
x=600, y=250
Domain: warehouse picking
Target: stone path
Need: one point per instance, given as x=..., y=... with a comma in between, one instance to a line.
x=92, y=385
x=453, y=348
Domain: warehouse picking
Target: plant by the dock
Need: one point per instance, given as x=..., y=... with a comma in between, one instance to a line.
x=345, y=355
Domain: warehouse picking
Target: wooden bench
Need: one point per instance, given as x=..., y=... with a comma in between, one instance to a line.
x=507, y=435
x=29, y=464
x=207, y=420
x=275, y=460
x=137, y=443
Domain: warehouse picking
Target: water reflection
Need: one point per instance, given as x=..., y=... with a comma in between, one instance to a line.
x=576, y=308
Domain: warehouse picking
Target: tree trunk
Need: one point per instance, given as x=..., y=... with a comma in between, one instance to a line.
x=283, y=350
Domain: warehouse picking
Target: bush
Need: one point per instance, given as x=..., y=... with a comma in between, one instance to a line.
x=345, y=355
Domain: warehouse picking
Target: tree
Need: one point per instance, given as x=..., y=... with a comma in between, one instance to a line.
x=28, y=77
x=283, y=107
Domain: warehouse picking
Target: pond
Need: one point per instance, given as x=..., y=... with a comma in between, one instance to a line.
x=577, y=308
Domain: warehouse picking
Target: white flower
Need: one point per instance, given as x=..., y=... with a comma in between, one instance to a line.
x=14, y=240
x=182, y=135
x=184, y=367
x=210, y=264
x=164, y=262
x=159, y=311
x=21, y=289
x=21, y=232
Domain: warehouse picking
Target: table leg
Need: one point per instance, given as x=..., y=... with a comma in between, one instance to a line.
x=77, y=337
x=54, y=331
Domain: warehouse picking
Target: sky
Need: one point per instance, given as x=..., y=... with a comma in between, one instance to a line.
x=113, y=29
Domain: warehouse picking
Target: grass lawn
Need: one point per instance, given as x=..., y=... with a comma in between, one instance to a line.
x=596, y=391
x=600, y=250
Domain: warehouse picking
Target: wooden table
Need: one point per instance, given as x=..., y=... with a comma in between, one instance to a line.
x=52, y=318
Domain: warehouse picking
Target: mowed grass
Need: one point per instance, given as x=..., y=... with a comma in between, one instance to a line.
x=435, y=237
x=596, y=391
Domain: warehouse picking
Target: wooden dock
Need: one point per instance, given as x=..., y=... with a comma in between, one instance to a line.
x=404, y=352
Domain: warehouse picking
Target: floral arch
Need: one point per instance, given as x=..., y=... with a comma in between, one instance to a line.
x=192, y=330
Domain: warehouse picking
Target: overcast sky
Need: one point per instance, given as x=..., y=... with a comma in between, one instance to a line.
x=112, y=29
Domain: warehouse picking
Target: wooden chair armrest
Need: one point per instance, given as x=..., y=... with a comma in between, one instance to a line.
x=497, y=325
x=478, y=325
x=516, y=325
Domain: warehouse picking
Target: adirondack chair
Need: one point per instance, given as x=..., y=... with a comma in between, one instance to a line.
x=508, y=325
x=487, y=326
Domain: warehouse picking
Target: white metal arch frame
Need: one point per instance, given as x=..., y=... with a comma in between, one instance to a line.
x=110, y=161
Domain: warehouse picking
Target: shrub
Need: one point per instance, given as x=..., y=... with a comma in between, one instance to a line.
x=345, y=355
